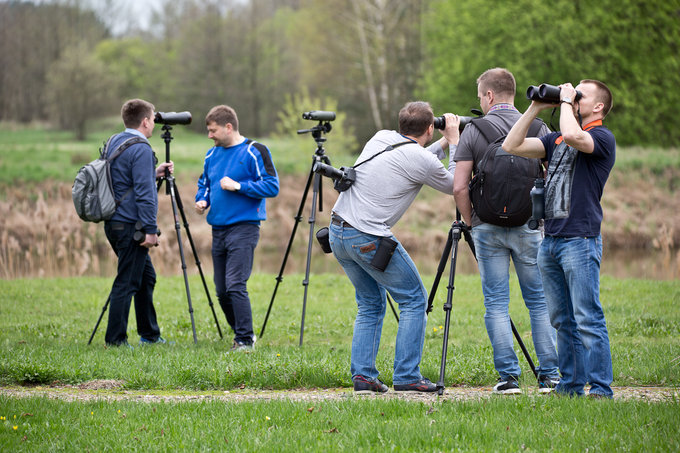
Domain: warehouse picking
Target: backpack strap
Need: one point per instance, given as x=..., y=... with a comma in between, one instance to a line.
x=117, y=152
x=491, y=133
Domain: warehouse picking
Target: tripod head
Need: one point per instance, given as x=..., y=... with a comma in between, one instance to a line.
x=324, y=118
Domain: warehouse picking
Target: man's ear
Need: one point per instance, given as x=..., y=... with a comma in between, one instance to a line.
x=599, y=107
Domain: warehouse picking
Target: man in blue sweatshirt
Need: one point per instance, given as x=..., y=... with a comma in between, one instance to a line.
x=134, y=184
x=238, y=174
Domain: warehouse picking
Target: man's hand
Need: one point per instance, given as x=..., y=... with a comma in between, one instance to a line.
x=160, y=171
x=229, y=184
x=151, y=240
x=451, y=132
x=567, y=90
x=201, y=206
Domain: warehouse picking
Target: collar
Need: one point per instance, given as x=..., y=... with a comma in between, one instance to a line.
x=592, y=124
x=589, y=126
x=135, y=132
x=408, y=138
x=502, y=107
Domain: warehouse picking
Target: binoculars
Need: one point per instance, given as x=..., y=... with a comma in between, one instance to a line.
x=547, y=93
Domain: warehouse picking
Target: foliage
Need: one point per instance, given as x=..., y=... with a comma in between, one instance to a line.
x=289, y=121
x=79, y=89
x=626, y=44
x=32, y=37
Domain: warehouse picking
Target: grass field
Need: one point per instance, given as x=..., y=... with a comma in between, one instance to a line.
x=45, y=325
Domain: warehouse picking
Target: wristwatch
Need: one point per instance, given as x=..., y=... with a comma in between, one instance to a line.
x=566, y=99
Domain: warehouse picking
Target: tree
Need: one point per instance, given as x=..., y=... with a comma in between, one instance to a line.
x=79, y=89
x=631, y=45
x=32, y=37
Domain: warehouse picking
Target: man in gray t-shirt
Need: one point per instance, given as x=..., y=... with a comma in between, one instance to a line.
x=360, y=229
x=495, y=245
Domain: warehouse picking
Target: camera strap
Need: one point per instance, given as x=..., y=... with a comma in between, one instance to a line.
x=389, y=148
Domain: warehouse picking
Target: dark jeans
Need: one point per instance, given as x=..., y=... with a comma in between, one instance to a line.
x=232, y=252
x=136, y=277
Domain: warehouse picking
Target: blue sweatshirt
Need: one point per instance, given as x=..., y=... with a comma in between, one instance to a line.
x=248, y=163
x=135, y=169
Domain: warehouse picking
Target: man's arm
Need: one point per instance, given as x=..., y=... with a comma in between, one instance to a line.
x=572, y=133
x=517, y=141
x=265, y=183
x=461, y=182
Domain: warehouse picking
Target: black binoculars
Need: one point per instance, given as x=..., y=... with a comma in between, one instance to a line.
x=440, y=122
x=547, y=93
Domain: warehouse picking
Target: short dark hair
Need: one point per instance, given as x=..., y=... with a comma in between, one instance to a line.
x=499, y=80
x=134, y=111
x=604, y=95
x=222, y=115
x=415, y=118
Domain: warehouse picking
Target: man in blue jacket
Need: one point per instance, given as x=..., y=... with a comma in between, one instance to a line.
x=134, y=185
x=238, y=174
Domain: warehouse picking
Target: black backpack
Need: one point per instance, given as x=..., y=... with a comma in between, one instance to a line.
x=499, y=190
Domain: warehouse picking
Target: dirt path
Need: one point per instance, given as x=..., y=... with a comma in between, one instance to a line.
x=113, y=391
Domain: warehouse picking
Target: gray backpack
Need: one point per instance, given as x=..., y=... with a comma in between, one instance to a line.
x=92, y=189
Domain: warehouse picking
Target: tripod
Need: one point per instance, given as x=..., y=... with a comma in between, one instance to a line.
x=177, y=206
x=315, y=179
x=458, y=229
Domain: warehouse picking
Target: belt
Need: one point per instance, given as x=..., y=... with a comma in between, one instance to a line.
x=337, y=220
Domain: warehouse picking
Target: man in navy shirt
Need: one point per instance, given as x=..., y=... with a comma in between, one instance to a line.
x=238, y=174
x=134, y=185
x=579, y=158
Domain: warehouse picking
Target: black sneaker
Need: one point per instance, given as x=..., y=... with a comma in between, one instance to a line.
x=160, y=340
x=122, y=344
x=365, y=385
x=423, y=385
x=547, y=384
x=508, y=386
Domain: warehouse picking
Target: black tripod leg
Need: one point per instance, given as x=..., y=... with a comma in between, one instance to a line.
x=524, y=348
x=396, y=316
x=298, y=218
x=312, y=219
x=452, y=247
x=171, y=188
x=100, y=319
x=198, y=262
x=440, y=271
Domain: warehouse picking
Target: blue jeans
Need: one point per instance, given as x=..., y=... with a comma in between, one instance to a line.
x=495, y=245
x=136, y=278
x=233, y=248
x=354, y=250
x=570, y=268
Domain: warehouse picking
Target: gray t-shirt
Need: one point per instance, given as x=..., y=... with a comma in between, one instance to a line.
x=387, y=185
x=472, y=143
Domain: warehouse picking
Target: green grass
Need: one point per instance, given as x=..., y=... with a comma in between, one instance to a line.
x=516, y=424
x=45, y=325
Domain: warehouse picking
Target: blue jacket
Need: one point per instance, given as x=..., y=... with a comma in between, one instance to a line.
x=135, y=168
x=248, y=163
